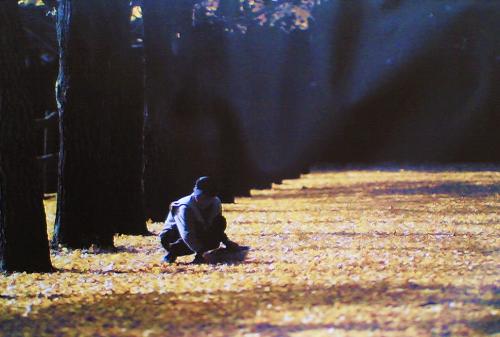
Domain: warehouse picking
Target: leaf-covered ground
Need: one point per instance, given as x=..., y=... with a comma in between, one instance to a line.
x=335, y=253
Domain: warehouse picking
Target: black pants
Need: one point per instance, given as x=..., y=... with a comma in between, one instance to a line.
x=211, y=239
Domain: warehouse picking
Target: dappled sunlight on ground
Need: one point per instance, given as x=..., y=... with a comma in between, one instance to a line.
x=335, y=253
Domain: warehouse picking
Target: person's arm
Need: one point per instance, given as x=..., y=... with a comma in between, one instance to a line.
x=219, y=221
x=188, y=228
x=218, y=205
x=215, y=211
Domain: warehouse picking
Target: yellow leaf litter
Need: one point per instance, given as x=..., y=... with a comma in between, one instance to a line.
x=334, y=253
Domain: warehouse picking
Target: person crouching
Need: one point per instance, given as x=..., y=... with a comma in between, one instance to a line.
x=195, y=224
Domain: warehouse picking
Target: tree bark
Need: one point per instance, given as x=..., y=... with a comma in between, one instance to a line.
x=163, y=152
x=190, y=127
x=129, y=202
x=99, y=190
x=23, y=230
x=228, y=157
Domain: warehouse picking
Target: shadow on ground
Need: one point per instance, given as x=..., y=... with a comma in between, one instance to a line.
x=230, y=311
x=454, y=189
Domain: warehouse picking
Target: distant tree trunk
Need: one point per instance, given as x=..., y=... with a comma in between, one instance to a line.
x=157, y=57
x=129, y=202
x=23, y=230
x=190, y=128
x=128, y=91
x=165, y=95
x=227, y=152
x=294, y=95
x=99, y=189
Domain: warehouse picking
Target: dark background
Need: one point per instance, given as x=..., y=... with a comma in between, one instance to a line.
x=370, y=81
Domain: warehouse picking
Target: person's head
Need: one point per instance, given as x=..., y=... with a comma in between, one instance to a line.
x=204, y=191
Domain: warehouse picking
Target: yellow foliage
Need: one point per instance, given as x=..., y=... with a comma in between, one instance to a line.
x=31, y=2
x=136, y=13
x=348, y=253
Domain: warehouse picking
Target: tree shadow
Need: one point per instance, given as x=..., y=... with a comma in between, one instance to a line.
x=452, y=188
x=284, y=330
x=93, y=250
x=398, y=167
x=229, y=311
x=374, y=234
x=223, y=256
x=455, y=189
x=489, y=325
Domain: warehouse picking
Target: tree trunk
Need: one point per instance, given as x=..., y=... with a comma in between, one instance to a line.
x=128, y=92
x=228, y=157
x=99, y=190
x=190, y=127
x=23, y=230
x=129, y=202
x=166, y=94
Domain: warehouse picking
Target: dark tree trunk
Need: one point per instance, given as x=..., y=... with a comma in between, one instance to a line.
x=295, y=95
x=99, y=190
x=157, y=56
x=23, y=230
x=190, y=127
x=128, y=92
x=229, y=162
x=166, y=95
x=129, y=201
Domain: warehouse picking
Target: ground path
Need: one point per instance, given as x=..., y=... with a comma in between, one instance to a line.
x=378, y=252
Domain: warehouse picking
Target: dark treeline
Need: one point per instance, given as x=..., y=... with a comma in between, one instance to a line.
x=369, y=81
x=412, y=81
x=372, y=81
x=191, y=128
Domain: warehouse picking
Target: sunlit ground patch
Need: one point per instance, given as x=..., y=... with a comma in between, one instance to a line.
x=336, y=253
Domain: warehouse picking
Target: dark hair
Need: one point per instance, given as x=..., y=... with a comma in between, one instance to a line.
x=205, y=185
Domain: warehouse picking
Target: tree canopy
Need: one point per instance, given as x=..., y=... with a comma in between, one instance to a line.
x=236, y=15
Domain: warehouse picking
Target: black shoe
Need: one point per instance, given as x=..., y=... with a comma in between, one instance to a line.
x=234, y=247
x=169, y=258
